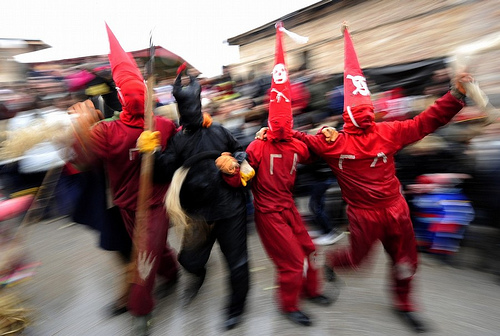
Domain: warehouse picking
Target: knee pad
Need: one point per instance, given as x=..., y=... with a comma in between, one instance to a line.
x=404, y=270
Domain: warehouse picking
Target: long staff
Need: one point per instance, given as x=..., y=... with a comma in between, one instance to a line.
x=140, y=238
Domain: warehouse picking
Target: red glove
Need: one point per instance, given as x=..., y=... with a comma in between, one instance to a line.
x=182, y=68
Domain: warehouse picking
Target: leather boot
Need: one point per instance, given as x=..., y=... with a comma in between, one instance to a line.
x=299, y=318
x=413, y=320
x=321, y=300
x=232, y=322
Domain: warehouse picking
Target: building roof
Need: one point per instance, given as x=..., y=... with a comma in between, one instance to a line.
x=290, y=20
x=22, y=44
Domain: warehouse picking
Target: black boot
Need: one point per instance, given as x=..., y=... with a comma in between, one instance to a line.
x=232, y=322
x=413, y=320
x=193, y=285
x=330, y=275
x=321, y=300
x=299, y=318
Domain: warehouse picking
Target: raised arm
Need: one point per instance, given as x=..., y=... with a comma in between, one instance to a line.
x=437, y=115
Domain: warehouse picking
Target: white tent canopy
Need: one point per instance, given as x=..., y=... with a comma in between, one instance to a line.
x=209, y=69
x=56, y=54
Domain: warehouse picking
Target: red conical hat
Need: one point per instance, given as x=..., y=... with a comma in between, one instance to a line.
x=128, y=79
x=355, y=88
x=280, y=119
x=357, y=101
x=123, y=65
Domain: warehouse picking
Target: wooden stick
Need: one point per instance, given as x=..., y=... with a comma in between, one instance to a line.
x=140, y=238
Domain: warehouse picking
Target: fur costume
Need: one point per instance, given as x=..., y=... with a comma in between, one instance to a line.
x=200, y=198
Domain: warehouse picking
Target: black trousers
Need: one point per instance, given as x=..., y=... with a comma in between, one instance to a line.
x=231, y=234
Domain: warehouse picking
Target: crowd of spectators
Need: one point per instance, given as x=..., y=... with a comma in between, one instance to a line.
x=240, y=104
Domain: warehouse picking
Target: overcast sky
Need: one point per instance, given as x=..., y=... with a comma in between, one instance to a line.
x=193, y=29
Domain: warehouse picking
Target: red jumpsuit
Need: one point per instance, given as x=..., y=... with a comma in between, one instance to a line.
x=363, y=161
x=278, y=222
x=113, y=142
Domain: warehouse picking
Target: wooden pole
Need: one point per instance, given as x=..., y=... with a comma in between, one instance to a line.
x=140, y=238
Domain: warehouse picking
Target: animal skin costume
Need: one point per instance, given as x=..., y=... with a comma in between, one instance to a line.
x=206, y=196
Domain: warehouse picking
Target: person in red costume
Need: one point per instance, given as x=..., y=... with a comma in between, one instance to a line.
x=113, y=142
x=279, y=224
x=362, y=158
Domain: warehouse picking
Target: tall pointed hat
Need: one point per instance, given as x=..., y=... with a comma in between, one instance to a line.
x=358, y=107
x=188, y=98
x=129, y=82
x=280, y=120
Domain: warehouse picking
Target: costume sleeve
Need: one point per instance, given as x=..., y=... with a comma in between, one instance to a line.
x=437, y=115
x=100, y=139
x=166, y=163
x=315, y=143
x=92, y=148
x=305, y=156
x=254, y=154
x=168, y=131
x=233, y=180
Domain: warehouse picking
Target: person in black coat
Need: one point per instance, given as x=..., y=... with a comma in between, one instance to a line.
x=206, y=196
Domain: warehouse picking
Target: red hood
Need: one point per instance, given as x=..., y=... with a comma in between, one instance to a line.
x=358, y=118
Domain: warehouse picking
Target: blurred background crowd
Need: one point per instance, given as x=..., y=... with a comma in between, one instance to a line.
x=451, y=178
